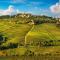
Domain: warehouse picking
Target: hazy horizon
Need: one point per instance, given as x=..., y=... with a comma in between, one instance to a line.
x=35, y=7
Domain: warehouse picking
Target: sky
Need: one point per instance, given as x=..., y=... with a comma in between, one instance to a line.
x=36, y=7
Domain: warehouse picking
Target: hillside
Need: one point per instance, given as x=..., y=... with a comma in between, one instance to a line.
x=44, y=33
x=14, y=33
x=26, y=34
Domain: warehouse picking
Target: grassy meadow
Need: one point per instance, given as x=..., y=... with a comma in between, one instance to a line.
x=44, y=32
x=15, y=33
x=29, y=38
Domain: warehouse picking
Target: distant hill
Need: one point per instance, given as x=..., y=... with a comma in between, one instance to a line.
x=27, y=34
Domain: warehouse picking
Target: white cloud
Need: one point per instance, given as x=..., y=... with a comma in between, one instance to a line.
x=55, y=8
x=9, y=11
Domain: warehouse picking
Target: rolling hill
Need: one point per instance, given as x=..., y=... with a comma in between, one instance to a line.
x=19, y=36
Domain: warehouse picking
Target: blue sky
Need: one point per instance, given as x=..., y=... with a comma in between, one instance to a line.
x=38, y=7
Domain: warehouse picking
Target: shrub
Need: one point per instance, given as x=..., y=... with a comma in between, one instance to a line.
x=2, y=38
x=38, y=21
x=29, y=53
x=13, y=45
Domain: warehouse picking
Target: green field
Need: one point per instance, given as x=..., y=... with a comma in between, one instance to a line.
x=38, y=40
x=32, y=35
x=15, y=33
x=43, y=32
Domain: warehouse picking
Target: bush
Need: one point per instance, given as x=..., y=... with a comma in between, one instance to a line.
x=2, y=38
x=38, y=21
x=29, y=53
x=13, y=45
x=48, y=43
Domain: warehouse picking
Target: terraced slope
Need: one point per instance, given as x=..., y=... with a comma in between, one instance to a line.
x=43, y=32
x=15, y=33
x=26, y=33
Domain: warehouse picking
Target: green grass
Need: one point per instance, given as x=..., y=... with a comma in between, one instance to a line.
x=15, y=33
x=18, y=33
x=53, y=50
x=42, y=32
